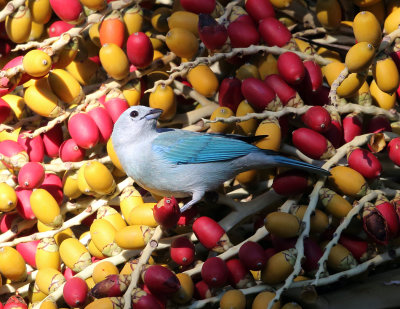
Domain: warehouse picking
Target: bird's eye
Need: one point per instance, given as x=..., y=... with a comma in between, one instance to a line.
x=133, y=114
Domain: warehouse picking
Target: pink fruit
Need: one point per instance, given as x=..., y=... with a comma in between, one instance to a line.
x=7, y=220
x=291, y=68
x=313, y=76
x=394, y=150
x=115, y=107
x=144, y=300
x=16, y=302
x=214, y=272
x=103, y=121
x=388, y=212
x=364, y=162
x=291, y=182
x=208, y=232
x=195, y=6
x=242, y=34
x=334, y=134
x=273, y=32
x=28, y=251
x=357, y=247
x=111, y=286
x=13, y=150
x=312, y=253
x=202, y=290
x=83, y=130
x=24, y=205
x=317, y=118
x=252, y=255
x=139, y=49
x=161, y=280
x=182, y=251
x=285, y=93
x=230, y=94
x=212, y=34
x=68, y=13
x=71, y=152
x=52, y=141
x=75, y=292
x=257, y=93
x=312, y=144
x=378, y=123
x=53, y=184
x=259, y=9
x=5, y=111
x=33, y=146
x=352, y=126
x=167, y=212
x=31, y=175
x=239, y=276
x=68, y=273
x=16, y=61
x=59, y=27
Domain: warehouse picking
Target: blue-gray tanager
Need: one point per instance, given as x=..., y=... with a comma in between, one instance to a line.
x=183, y=163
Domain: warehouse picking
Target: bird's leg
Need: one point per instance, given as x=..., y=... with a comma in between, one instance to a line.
x=196, y=197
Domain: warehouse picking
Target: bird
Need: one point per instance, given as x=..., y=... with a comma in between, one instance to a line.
x=181, y=163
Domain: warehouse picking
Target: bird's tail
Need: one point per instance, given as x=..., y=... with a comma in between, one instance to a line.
x=283, y=161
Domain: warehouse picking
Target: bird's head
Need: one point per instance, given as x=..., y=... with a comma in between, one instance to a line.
x=136, y=121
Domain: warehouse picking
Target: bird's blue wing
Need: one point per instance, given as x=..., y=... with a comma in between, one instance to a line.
x=183, y=147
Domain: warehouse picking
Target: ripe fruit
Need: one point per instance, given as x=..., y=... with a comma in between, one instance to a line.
x=75, y=292
x=273, y=32
x=214, y=272
x=291, y=68
x=212, y=34
x=139, y=49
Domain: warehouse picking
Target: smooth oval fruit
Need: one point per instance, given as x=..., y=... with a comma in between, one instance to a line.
x=8, y=197
x=31, y=175
x=37, y=63
x=182, y=42
x=112, y=30
x=163, y=97
x=203, y=80
x=364, y=162
x=103, y=236
x=40, y=11
x=99, y=178
x=70, y=13
x=133, y=236
x=65, y=86
x=282, y=224
x=184, y=20
x=49, y=279
x=214, y=272
x=233, y=299
x=273, y=32
x=75, y=255
x=114, y=61
x=291, y=68
x=12, y=264
x=258, y=94
x=386, y=75
x=83, y=130
x=46, y=208
x=367, y=28
x=279, y=266
x=197, y=7
x=252, y=255
x=359, y=57
x=259, y=9
x=139, y=49
x=185, y=292
x=47, y=254
x=329, y=13
x=143, y=215
x=18, y=25
x=221, y=127
x=318, y=148
x=182, y=251
x=263, y=299
x=133, y=19
x=75, y=292
x=381, y=98
x=348, y=181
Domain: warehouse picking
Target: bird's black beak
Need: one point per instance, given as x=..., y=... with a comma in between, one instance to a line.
x=153, y=113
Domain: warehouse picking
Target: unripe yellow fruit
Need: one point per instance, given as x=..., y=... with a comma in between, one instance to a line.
x=99, y=178
x=334, y=204
x=182, y=42
x=37, y=63
x=47, y=254
x=49, y=279
x=16, y=103
x=74, y=254
x=40, y=11
x=233, y=299
x=65, y=86
x=131, y=92
x=46, y=208
x=95, y=5
x=102, y=270
x=281, y=4
x=340, y=259
x=247, y=70
x=279, y=266
x=272, y=129
x=348, y=181
x=130, y=198
x=247, y=127
x=12, y=264
x=8, y=197
x=221, y=127
x=203, y=80
x=263, y=299
x=103, y=235
x=134, y=236
x=143, y=215
x=37, y=31
x=282, y=224
x=392, y=22
x=185, y=292
x=360, y=57
x=18, y=25
x=380, y=98
x=114, y=61
x=133, y=19
x=48, y=304
x=329, y=13
x=185, y=20
x=351, y=83
x=386, y=75
x=41, y=99
x=111, y=215
x=163, y=97
x=267, y=65
x=70, y=184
